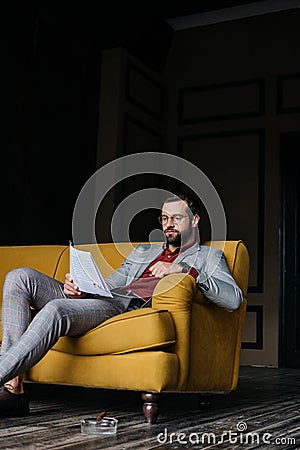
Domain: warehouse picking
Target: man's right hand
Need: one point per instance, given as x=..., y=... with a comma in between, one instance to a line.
x=70, y=288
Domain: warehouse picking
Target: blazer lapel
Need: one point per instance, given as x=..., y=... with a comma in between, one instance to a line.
x=191, y=251
x=152, y=252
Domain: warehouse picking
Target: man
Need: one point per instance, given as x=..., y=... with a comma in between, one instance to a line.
x=62, y=310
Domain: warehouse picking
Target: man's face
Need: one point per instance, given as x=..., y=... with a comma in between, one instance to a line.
x=181, y=231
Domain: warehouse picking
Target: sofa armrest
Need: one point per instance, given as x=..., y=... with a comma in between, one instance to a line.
x=175, y=293
x=215, y=346
x=208, y=338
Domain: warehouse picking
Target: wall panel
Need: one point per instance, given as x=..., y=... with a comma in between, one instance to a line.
x=144, y=91
x=240, y=99
x=234, y=163
x=288, y=94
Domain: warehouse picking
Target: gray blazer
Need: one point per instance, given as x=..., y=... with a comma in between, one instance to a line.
x=214, y=280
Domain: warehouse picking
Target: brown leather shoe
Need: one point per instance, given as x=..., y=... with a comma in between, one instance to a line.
x=13, y=405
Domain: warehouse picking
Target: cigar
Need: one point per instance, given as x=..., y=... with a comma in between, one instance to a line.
x=101, y=415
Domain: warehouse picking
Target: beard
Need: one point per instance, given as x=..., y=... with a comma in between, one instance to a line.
x=174, y=239
x=179, y=239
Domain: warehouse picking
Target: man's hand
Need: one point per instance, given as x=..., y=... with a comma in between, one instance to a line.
x=161, y=269
x=70, y=288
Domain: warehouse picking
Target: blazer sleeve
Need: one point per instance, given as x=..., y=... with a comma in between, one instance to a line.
x=217, y=284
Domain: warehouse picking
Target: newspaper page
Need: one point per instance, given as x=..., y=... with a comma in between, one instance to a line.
x=86, y=274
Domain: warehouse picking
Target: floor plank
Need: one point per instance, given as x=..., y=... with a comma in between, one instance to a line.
x=264, y=408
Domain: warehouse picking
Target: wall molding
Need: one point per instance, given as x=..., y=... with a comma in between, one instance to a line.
x=258, y=287
x=260, y=110
x=281, y=82
x=130, y=119
x=130, y=69
x=258, y=344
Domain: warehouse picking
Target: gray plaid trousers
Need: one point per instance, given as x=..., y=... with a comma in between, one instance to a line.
x=26, y=338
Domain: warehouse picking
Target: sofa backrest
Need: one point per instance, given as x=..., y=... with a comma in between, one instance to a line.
x=44, y=258
x=53, y=260
x=108, y=257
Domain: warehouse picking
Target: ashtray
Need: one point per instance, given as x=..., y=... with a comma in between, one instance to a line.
x=107, y=425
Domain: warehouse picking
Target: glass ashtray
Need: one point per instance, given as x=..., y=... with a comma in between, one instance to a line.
x=107, y=425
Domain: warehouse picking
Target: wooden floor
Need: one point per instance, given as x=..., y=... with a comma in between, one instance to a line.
x=263, y=413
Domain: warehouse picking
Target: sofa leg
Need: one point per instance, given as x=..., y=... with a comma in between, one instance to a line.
x=150, y=406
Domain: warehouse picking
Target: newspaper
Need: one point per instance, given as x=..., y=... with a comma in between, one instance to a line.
x=86, y=274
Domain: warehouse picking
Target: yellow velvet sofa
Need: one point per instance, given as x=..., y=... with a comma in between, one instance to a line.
x=184, y=343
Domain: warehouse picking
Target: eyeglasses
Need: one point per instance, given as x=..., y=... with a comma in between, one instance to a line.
x=177, y=218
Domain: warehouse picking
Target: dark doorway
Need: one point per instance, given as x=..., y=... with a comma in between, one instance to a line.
x=290, y=251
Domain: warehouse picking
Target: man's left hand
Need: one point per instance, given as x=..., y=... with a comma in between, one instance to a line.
x=161, y=269
x=70, y=288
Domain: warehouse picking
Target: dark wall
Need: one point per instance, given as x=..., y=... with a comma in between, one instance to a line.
x=50, y=102
x=50, y=109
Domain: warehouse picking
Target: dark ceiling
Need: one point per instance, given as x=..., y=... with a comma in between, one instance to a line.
x=119, y=11
x=141, y=29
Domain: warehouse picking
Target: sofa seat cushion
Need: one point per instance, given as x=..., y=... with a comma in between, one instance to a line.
x=142, y=329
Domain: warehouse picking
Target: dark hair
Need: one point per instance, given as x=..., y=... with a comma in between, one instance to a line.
x=189, y=199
